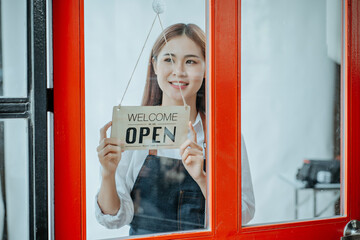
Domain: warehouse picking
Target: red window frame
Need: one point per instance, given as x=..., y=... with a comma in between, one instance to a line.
x=224, y=145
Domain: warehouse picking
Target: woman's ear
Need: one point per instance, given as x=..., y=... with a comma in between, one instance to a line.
x=153, y=61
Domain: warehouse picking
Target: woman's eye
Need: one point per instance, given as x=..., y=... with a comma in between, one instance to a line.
x=168, y=60
x=190, y=61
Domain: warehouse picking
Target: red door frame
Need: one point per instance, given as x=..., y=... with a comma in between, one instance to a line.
x=69, y=128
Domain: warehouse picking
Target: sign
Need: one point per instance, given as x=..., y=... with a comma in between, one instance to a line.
x=150, y=127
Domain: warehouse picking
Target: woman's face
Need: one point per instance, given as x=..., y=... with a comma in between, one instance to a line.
x=187, y=71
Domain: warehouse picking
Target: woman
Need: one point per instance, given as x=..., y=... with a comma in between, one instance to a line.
x=161, y=190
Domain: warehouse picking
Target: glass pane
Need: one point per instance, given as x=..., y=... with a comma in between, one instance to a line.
x=150, y=186
x=14, y=178
x=13, y=51
x=292, y=99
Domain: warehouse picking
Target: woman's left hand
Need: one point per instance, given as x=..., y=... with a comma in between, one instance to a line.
x=193, y=159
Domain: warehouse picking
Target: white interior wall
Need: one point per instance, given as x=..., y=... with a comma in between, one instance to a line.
x=287, y=98
x=115, y=31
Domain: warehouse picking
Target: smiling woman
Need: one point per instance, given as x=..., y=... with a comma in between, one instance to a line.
x=178, y=64
x=109, y=44
x=154, y=175
x=114, y=56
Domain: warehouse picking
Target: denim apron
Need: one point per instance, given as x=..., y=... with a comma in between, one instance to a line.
x=166, y=198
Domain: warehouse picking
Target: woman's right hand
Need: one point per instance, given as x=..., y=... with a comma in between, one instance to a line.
x=109, y=152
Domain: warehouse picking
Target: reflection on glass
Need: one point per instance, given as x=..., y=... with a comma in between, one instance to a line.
x=14, y=184
x=144, y=191
x=13, y=52
x=291, y=106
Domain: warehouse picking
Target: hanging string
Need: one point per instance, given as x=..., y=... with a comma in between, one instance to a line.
x=132, y=74
x=171, y=59
x=158, y=7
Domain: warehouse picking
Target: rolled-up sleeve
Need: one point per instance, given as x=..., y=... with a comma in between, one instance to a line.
x=126, y=212
x=247, y=194
x=121, y=218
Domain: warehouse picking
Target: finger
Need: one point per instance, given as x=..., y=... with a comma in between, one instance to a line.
x=193, y=133
x=104, y=129
x=192, y=159
x=188, y=143
x=122, y=145
x=109, y=141
x=192, y=152
x=187, y=161
x=184, y=146
x=111, y=157
x=111, y=149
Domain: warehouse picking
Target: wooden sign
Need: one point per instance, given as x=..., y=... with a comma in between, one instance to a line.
x=150, y=127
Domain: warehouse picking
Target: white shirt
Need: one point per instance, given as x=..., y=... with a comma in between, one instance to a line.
x=128, y=170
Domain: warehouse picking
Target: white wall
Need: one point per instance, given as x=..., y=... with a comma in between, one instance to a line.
x=287, y=98
x=115, y=31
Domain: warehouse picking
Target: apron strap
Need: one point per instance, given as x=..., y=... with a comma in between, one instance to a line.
x=203, y=122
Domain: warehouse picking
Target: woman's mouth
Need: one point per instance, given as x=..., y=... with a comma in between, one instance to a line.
x=178, y=85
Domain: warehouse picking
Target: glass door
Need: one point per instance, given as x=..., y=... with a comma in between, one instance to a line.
x=229, y=120
x=298, y=92
x=24, y=104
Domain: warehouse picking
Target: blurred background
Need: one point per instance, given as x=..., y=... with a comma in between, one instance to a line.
x=290, y=101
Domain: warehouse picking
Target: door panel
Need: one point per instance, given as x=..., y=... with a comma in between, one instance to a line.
x=292, y=107
x=332, y=228
x=225, y=102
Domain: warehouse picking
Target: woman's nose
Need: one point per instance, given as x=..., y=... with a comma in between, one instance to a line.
x=179, y=70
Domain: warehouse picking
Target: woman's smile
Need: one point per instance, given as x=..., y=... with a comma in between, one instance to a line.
x=179, y=84
x=180, y=65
